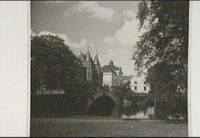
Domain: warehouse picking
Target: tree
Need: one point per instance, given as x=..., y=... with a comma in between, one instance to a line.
x=122, y=92
x=51, y=60
x=78, y=94
x=163, y=49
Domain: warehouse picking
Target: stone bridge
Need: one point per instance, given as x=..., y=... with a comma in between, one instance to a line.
x=102, y=103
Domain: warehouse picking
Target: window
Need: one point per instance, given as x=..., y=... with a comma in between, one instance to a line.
x=135, y=87
x=145, y=88
x=135, y=82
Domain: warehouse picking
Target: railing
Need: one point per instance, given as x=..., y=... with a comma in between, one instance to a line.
x=49, y=92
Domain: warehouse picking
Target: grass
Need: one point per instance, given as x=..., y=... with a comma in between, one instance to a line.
x=104, y=126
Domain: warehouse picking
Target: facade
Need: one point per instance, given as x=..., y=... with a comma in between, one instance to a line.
x=112, y=75
x=80, y=72
x=90, y=67
x=127, y=78
x=139, y=86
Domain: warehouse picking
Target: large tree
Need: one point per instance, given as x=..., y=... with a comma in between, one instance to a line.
x=52, y=61
x=122, y=93
x=163, y=49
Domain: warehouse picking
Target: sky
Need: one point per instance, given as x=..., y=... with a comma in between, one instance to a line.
x=108, y=28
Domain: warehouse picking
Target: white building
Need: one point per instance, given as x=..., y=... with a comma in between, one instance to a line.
x=138, y=85
x=140, y=88
x=112, y=75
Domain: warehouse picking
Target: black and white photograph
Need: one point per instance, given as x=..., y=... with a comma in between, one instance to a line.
x=109, y=68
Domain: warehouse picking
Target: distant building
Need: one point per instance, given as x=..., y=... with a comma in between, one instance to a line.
x=112, y=75
x=127, y=78
x=138, y=85
x=80, y=72
x=90, y=67
x=141, y=89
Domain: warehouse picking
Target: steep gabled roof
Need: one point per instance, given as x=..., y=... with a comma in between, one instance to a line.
x=88, y=56
x=96, y=60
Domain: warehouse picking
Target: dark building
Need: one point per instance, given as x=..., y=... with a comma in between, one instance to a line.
x=90, y=67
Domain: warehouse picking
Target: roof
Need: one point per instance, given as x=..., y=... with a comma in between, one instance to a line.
x=96, y=60
x=88, y=57
x=83, y=57
x=110, y=68
x=127, y=77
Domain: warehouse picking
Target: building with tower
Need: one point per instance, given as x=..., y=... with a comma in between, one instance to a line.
x=109, y=75
x=112, y=75
x=92, y=67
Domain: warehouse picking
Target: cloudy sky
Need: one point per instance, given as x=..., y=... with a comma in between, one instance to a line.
x=108, y=27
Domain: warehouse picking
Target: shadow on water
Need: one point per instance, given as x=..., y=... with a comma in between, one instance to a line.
x=102, y=106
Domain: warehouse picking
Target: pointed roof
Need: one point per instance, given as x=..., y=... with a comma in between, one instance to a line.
x=88, y=57
x=96, y=60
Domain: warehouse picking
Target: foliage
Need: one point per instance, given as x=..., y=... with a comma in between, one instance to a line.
x=51, y=60
x=163, y=50
x=122, y=92
x=137, y=105
x=138, y=102
x=78, y=93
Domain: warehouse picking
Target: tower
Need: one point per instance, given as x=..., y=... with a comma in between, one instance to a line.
x=97, y=74
x=91, y=65
x=88, y=65
x=96, y=64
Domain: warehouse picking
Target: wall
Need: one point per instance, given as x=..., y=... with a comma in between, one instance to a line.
x=107, y=78
x=80, y=73
x=139, y=83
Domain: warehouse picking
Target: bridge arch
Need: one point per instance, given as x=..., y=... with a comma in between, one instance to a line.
x=103, y=105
